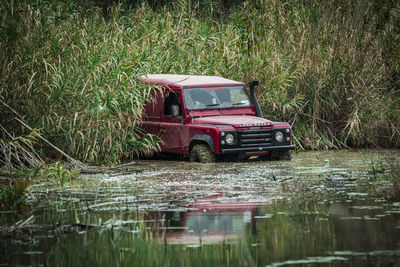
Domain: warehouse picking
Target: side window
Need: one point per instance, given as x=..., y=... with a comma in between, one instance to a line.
x=172, y=105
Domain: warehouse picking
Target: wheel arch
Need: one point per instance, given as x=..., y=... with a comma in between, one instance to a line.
x=202, y=139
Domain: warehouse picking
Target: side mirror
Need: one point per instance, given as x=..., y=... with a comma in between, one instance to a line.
x=175, y=110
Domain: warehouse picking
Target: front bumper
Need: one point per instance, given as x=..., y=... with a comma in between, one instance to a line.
x=256, y=149
x=257, y=140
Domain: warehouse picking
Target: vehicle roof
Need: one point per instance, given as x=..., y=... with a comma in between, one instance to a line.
x=180, y=81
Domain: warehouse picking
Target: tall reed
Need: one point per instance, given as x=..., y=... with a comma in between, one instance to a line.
x=329, y=68
x=75, y=77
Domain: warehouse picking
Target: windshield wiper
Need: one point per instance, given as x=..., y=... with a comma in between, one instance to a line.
x=212, y=105
x=237, y=104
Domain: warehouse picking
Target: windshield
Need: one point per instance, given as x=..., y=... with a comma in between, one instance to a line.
x=216, y=97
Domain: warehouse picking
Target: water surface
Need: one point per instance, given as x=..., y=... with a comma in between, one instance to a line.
x=319, y=208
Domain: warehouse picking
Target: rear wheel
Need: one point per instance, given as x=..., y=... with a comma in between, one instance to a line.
x=201, y=153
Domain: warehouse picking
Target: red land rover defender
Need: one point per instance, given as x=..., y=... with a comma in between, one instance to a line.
x=205, y=117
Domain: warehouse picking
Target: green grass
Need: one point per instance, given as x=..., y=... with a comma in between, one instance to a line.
x=329, y=68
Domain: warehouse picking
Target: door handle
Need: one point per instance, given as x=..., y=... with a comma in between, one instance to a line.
x=163, y=131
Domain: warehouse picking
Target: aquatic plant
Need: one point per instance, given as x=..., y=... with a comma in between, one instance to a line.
x=391, y=191
x=13, y=192
x=12, y=196
x=377, y=168
x=386, y=176
x=395, y=179
x=18, y=151
x=59, y=174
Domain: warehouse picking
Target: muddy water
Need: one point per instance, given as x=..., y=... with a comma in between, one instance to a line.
x=319, y=208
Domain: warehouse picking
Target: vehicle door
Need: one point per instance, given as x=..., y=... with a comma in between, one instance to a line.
x=171, y=127
x=153, y=113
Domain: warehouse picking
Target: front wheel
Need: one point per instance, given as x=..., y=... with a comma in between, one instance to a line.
x=285, y=155
x=278, y=155
x=201, y=153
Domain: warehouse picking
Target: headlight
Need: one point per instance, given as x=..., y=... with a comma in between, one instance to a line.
x=229, y=138
x=279, y=136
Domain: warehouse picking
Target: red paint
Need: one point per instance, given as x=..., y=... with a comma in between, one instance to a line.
x=234, y=120
x=222, y=218
x=180, y=81
x=178, y=132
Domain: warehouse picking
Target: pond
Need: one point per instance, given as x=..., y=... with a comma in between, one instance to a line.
x=319, y=208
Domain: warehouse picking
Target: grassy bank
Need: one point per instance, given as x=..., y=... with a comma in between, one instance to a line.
x=70, y=70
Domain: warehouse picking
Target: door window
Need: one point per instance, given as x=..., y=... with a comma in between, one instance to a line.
x=172, y=105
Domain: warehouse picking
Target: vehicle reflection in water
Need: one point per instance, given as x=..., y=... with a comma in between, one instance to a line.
x=218, y=231
x=210, y=220
x=320, y=208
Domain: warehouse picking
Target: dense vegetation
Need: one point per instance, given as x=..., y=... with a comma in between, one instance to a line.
x=70, y=69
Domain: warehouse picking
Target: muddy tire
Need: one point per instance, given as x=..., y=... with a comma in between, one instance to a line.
x=281, y=155
x=201, y=153
x=285, y=155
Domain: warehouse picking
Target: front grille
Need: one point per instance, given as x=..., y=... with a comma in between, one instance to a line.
x=255, y=138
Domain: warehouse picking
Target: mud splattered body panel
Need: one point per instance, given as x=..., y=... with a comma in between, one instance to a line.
x=211, y=110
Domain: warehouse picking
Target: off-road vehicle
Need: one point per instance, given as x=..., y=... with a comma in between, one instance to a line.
x=207, y=117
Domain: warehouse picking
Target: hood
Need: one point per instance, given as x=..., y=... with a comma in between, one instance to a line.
x=235, y=121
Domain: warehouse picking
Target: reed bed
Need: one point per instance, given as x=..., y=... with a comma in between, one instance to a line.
x=72, y=70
